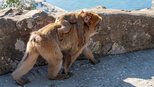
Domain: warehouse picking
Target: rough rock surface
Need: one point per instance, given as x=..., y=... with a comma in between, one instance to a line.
x=15, y=26
x=122, y=31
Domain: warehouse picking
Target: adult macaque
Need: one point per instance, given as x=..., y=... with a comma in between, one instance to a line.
x=46, y=42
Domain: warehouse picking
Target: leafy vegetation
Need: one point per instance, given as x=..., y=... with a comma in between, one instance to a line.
x=24, y=4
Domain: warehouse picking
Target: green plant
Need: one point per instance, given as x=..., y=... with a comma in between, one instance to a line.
x=1, y=8
x=18, y=4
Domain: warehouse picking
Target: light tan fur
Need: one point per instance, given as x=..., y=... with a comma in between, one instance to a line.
x=72, y=18
x=45, y=42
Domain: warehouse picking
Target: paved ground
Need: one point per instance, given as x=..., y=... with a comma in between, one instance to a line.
x=125, y=70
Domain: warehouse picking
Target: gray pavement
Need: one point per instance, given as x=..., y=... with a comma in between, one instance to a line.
x=134, y=69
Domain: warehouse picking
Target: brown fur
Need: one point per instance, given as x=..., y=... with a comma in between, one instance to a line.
x=45, y=42
x=72, y=18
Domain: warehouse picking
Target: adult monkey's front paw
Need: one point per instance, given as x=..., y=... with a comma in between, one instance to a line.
x=95, y=62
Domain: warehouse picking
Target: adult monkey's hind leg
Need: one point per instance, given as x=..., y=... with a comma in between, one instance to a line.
x=52, y=54
x=25, y=64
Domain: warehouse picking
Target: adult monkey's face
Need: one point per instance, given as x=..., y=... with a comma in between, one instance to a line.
x=93, y=20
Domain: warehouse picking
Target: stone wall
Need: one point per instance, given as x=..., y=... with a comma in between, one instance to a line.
x=15, y=28
x=121, y=32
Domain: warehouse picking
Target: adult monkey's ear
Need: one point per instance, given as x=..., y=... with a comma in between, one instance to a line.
x=82, y=12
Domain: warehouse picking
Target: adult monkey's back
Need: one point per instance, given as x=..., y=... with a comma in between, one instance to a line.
x=45, y=42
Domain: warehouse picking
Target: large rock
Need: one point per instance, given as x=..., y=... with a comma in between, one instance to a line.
x=15, y=26
x=121, y=32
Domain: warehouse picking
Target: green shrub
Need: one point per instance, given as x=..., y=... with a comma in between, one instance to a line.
x=18, y=4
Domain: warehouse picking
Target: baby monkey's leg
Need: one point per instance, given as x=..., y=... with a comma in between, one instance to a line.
x=66, y=26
